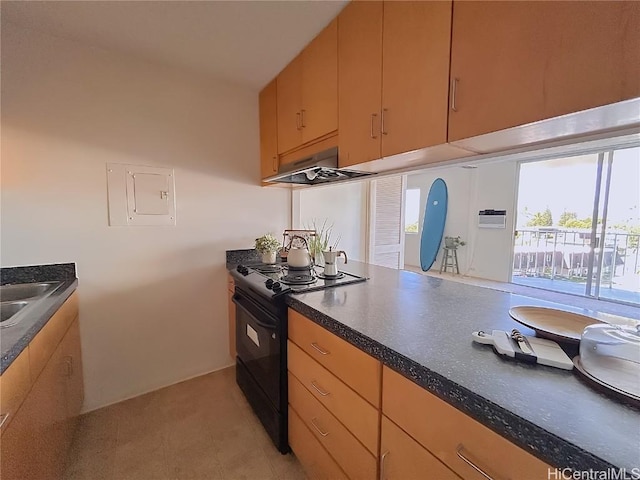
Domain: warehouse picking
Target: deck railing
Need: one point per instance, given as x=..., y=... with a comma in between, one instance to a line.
x=559, y=253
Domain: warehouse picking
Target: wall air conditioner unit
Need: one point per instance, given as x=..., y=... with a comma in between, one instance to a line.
x=492, y=219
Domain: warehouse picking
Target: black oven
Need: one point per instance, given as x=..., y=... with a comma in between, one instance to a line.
x=261, y=367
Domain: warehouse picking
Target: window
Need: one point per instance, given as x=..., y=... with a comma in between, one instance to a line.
x=412, y=210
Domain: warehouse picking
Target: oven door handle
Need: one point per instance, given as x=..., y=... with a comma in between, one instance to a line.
x=262, y=324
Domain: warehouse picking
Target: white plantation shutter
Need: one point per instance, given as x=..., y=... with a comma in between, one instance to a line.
x=386, y=240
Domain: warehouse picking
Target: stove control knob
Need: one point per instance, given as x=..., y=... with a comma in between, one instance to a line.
x=243, y=270
x=269, y=283
x=239, y=268
x=276, y=286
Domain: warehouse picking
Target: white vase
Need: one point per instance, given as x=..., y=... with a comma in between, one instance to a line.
x=269, y=257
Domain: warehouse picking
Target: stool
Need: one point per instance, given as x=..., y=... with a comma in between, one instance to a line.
x=450, y=259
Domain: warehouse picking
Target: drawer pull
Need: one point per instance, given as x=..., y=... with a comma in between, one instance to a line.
x=320, y=349
x=460, y=455
x=382, y=459
x=322, y=392
x=3, y=418
x=315, y=425
x=454, y=91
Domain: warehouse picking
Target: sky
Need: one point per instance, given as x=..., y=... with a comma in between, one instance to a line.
x=569, y=184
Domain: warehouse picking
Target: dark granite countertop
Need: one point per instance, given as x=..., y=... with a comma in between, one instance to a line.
x=14, y=339
x=421, y=327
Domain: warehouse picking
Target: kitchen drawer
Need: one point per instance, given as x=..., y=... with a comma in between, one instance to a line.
x=46, y=341
x=15, y=383
x=404, y=459
x=449, y=434
x=317, y=463
x=347, y=406
x=355, y=460
x=357, y=369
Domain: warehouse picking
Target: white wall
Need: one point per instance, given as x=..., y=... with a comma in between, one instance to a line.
x=344, y=206
x=488, y=251
x=152, y=299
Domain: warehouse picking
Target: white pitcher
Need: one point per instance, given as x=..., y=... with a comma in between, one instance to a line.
x=330, y=261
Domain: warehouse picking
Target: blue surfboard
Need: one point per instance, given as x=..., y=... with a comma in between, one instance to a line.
x=435, y=215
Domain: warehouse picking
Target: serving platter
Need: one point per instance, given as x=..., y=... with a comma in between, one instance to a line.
x=558, y=325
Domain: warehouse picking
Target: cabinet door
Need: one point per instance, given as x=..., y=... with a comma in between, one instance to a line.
x=519, y=62
x=319, y=114
x=268, y=130
x=360, y=82
x=403, y=458
x=415, y=75
x=289, y=105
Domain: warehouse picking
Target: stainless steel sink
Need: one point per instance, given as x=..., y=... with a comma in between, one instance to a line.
x=9, y=309
x=17, y=300
x=24, y=291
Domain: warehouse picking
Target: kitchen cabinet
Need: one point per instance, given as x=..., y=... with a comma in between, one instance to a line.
x=307, y=93
x=394, y=75
x=451, y=436
x=402, y=457
x=513, y=63
x=35, y=444
x=231, y=307
x=268, y=130
x=334, y=393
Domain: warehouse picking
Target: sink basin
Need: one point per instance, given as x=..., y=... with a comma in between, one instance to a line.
x=17, y=300
x=24, y=291
x=9, y=309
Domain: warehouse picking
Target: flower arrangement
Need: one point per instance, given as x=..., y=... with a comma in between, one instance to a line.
x=454, y=242
x=319, y=242
x=267, y=244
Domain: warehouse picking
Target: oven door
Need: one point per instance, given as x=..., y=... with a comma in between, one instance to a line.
x=258, y=344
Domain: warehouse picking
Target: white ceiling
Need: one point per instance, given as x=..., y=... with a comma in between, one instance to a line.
x=245, y=42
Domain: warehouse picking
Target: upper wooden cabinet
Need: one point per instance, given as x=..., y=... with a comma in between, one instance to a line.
x=513, y=63
x=307, y=92
x=268, y=130
x=394, y=75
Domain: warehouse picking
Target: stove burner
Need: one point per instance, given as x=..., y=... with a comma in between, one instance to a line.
x=331, y=277
x=298, y=276
x=266, y=268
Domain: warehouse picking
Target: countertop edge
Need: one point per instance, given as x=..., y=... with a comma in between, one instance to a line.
x=542, y=444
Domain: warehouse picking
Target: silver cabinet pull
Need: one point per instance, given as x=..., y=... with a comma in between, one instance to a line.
x=302, y=118
x=382, y=459
x=320, y=349
x=371, y=134
x=454, y=90
x=298, y=127
x=275, y=164
x=315, y=425
x=3, y=418
x=68, y=361
x=318, y=389
x=460, y=455
x=382, y=129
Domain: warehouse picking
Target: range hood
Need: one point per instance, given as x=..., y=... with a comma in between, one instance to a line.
x=316, y=169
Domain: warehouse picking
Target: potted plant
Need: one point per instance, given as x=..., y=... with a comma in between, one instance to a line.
x=453, y=242
x=268, y=245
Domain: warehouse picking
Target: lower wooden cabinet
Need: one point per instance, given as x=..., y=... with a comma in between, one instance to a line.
x=317, y=463
x=35, y=444
x=402, y=458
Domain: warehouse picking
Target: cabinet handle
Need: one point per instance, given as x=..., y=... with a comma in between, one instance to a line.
x=382, y=130
x=454, y=90
x=382, y=459
x=322, y=392
x=320, y=349
x=298, y=121
x=315, y=425
x=3, y=418
x=68, y=360
x=460, y=455
x=275, y=164
x=373, y=116
x=302, y=119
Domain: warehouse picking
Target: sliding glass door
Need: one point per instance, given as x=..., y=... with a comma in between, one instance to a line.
x=578, y=225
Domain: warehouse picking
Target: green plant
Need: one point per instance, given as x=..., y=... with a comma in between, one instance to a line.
x=267, y=243
x=454, y=242
x=320, y=241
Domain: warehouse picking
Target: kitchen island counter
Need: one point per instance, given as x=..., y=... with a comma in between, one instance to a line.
x=421, y=327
